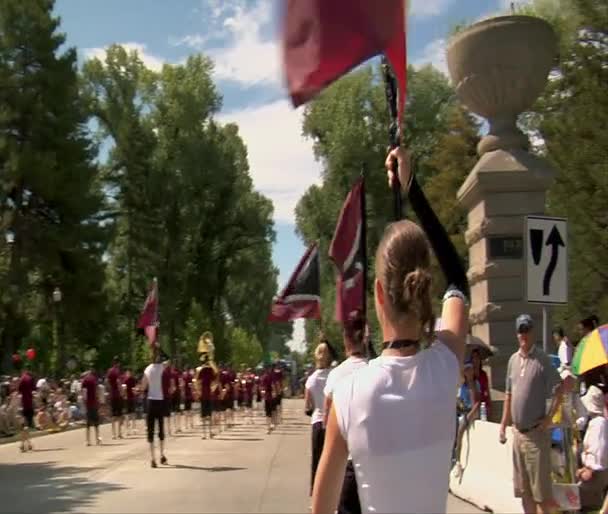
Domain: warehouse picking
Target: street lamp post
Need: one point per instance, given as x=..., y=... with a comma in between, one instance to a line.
x=57, y=297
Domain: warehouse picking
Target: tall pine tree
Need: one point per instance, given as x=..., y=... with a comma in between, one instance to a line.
x=50, y=197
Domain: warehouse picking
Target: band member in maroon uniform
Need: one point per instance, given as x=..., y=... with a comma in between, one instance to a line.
x=90, y=388
x=187, y=378
x=258, y=390
x=176, y=398
x=205, y=379
x=26, y=389
x=167, y=393
x=129, y=383
x=113, y=379
x=249, y=385
x=227, y=391
x=277, y=375
x=268, y=392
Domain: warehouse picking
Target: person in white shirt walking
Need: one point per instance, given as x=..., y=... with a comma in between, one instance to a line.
x=396, y=416
x=593, y=475
x=314, y=401
x=152, y=381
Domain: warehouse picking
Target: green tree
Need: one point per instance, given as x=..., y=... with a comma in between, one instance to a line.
x=569, y=121
x=50, y=200
x=246, y=349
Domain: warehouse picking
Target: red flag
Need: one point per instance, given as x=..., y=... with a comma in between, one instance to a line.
x=148, y=319
x=301, y=298
x=324, y=39
x=347, y=253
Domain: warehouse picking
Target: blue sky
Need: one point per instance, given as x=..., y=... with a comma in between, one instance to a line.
x=240, y=35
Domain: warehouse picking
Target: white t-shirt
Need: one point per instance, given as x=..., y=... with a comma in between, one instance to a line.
x=345, y=369
x=315, y=383
x=397, y=418
x=595, y=445
x=565, y=353
x=154, y=377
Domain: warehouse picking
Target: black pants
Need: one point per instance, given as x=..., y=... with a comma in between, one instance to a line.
x=349, y=499
x=318, y=438
x=156, y=412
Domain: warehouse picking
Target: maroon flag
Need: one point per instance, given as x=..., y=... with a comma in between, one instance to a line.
x=347, y=251
x=301, y=298
x=324, y=39
x=148, y=319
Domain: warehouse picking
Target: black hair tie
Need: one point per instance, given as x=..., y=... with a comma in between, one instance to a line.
x=398, y=344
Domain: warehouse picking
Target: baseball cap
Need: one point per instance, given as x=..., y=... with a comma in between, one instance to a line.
x=524, y=321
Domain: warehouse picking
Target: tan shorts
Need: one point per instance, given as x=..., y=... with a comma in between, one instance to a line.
x=532, y=465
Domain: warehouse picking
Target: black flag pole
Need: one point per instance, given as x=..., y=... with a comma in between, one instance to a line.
x=390, y=85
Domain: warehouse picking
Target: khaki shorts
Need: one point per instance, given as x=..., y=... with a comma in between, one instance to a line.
x=532, y=465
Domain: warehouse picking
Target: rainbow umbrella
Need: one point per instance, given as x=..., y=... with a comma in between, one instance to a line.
x=592, y=351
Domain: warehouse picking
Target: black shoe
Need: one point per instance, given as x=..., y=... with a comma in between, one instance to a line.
x=163, y=460
x=153, y=464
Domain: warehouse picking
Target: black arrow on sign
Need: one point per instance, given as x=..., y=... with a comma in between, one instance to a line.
x=554, y=241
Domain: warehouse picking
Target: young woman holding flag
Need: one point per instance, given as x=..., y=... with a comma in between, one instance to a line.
x=395, y=417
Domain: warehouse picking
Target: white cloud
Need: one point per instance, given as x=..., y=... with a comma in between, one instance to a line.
x=246, y=55
x=433, y=53
x=424, y=8
x=151, y=61
x=281, y=160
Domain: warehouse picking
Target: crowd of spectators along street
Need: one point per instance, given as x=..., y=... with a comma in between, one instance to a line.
x=57, y=404
x=533, y=378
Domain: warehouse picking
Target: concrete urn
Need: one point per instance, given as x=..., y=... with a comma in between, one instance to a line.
x=499, y=67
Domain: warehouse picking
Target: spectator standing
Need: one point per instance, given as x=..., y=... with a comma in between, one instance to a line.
x=564, y=348
x=593, y=475
x=531, y=381
x=483, y=381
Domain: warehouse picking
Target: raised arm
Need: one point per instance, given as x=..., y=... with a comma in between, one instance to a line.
x=454, y=316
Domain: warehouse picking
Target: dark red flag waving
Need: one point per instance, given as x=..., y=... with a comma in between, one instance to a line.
x=347, y=251
x=301, y=298
x=148, y=319
x=324, y=39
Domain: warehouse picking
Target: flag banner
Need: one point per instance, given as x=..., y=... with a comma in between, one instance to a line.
x=325, y=39
x=347, y=251
x=148, y=319
x=301, y=298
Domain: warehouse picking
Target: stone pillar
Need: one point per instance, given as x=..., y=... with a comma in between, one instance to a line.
x=499, y=67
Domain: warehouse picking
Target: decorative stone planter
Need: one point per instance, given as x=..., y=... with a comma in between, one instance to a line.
x=499, y=67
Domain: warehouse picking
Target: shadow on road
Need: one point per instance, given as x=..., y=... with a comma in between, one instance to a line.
x=48, y=487
x=40, y=450
x=213, y=469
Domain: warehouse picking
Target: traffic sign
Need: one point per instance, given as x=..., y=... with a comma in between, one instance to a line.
x=546, y=241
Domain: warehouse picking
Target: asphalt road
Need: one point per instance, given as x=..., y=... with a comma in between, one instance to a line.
x=242, y=470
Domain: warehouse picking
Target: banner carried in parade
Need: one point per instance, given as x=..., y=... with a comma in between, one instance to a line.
x=301, y=298
x=148, y=319
x=325, y=39
x=347, y=251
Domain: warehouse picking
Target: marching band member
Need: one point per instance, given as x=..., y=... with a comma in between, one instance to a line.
x=154, y=376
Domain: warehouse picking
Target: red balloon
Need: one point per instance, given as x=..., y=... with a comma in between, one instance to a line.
x=30, y=354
